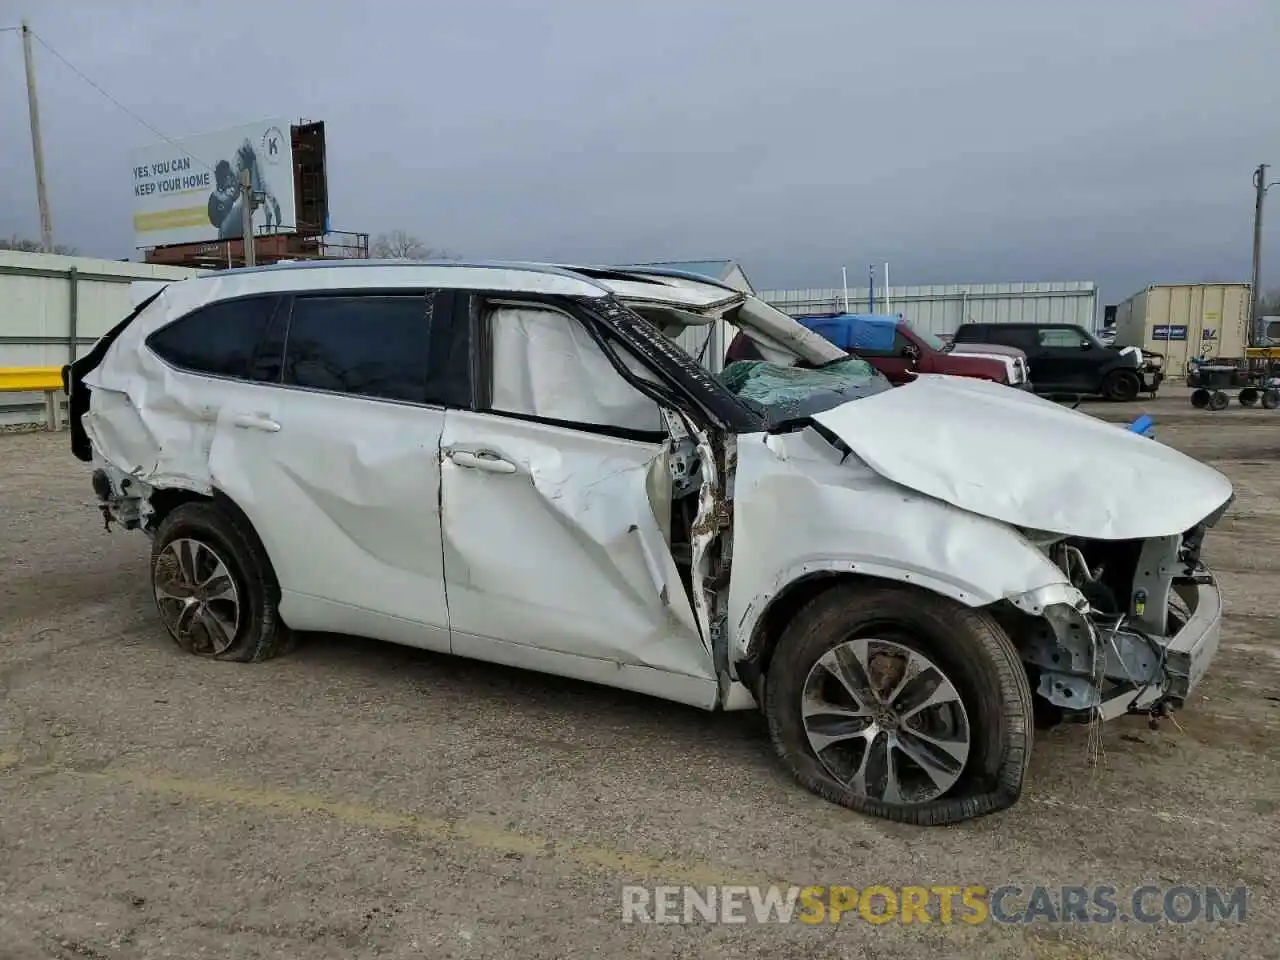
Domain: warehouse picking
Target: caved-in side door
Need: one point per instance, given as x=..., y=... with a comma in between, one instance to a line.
x=557, y=507
x=335, y=459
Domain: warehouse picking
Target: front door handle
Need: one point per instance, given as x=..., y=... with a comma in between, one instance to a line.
x=485, y=460
x=255, y=421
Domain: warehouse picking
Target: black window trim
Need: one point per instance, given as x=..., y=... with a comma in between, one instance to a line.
x=482, y=363
x=442, y=323
x=259, y=295
x=670, y=390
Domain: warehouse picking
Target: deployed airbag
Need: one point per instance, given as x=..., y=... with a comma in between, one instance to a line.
x=546, y=365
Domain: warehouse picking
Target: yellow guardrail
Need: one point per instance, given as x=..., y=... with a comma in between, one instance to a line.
x=46, y=380
x=30, y=379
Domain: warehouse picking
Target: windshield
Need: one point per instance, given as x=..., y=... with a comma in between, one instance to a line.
x=780, y=393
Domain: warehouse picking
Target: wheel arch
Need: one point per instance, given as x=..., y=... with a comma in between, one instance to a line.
x=767, y=616
x=167, y=499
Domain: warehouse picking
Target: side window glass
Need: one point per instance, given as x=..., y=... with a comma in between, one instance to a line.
x=901, y=345
x=1060, y=337
x=218, y=339
x=367, y=346
x=546, y=365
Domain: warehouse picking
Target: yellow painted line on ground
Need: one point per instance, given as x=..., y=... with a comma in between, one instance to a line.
x=627, y=865
x=476, y=835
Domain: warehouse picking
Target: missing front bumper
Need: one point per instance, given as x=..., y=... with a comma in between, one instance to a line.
x=1089, y=665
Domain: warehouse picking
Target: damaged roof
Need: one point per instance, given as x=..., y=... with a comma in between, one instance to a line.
x=721, y=270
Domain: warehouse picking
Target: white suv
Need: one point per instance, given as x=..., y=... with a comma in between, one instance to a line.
x=518, y=463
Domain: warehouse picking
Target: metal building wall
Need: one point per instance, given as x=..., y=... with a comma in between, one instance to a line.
x=712, y=357
x=941, y=308
x=53, y=309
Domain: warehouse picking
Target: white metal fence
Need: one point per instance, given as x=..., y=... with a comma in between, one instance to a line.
x=940, y=309
x=53, y=309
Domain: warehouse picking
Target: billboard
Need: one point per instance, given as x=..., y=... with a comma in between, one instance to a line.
x=188, y=191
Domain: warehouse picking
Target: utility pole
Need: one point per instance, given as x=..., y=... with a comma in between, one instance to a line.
x=1260, y=184
x=37, y=146
x=246, y=216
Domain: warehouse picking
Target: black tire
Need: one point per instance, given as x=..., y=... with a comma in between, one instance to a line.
x=1270, y=399
x=1249, y=396
x=1219, y=400
x=970, y=648
x=259, y=633
x=1121, y=386
x=1200, y=398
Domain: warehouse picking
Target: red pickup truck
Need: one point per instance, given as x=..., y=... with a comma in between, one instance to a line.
x=900, y=352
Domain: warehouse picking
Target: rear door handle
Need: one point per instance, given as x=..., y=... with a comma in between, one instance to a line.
x=255, y=421
x=485, y=460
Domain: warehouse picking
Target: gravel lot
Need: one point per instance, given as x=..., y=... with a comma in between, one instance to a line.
x=361, y=800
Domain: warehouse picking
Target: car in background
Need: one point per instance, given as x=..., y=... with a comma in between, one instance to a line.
x=1068, y=359
x=901, y=352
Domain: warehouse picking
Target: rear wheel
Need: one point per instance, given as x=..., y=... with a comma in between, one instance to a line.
x=214, y=586
x=1121, y=385
x=898, y=703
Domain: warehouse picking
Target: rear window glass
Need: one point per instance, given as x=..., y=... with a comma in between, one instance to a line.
x=218, y=339
x=366, y=346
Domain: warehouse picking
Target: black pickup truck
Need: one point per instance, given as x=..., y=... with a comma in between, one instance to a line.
x=1068, y=359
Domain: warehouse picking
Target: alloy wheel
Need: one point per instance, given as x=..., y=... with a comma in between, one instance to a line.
x=197, y=596
x=886, y=721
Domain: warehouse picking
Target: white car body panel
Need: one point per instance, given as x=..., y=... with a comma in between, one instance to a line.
x=564, y=553
x=1017, y=458
x=1013, y=371
x=834, y=521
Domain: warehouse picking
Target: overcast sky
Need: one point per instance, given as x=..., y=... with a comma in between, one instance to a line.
x=985, y=140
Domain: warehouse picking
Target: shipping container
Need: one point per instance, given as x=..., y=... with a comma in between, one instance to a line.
x=939, y=309
x=1186, y=320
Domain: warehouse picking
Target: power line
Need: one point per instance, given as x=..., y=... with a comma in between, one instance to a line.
x=79, y=73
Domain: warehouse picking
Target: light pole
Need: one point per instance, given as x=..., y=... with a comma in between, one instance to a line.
x=37, y=144
x=1261, y=186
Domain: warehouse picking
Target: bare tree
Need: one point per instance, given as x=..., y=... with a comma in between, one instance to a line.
x=23, y=245
x=401, y=245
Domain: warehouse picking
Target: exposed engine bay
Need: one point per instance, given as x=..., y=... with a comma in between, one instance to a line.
x=1116, y=655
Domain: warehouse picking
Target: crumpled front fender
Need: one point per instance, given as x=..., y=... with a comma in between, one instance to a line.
x=802, y=509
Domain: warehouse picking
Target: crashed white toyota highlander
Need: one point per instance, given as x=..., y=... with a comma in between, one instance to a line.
x=518, y=463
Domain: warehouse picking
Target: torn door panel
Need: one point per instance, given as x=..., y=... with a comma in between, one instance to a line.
x=566, y=553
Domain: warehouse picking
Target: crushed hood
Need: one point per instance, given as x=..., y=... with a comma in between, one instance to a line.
x=1017, y=458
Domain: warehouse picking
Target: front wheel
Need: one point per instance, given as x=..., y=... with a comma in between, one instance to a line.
x=901, y=704
x=1121, y=385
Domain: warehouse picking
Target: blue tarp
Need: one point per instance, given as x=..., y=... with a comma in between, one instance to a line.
x=854, y=331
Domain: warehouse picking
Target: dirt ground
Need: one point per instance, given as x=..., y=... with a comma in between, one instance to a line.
x=358, y=800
